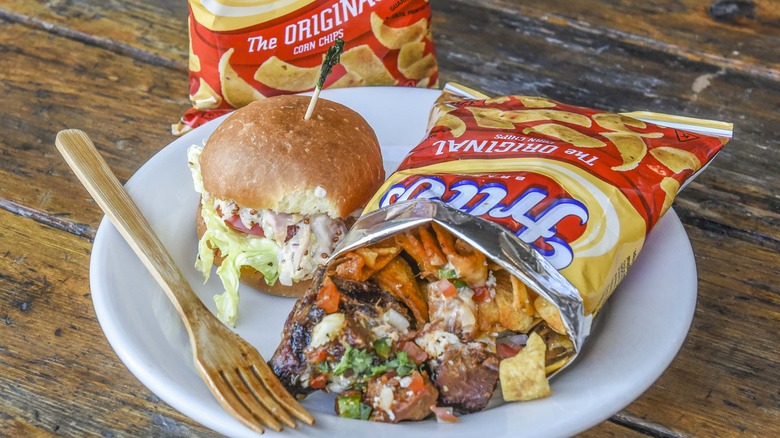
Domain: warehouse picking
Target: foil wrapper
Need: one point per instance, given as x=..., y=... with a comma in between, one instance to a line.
x=496, y=242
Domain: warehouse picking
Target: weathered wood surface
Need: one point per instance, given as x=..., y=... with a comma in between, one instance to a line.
x=118, y=71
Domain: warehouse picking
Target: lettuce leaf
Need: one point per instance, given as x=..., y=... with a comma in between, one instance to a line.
x=239, y=249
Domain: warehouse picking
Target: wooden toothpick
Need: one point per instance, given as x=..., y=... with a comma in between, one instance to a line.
x=331, y=58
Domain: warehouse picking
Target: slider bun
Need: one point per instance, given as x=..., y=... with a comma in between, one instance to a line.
x=252, y=277
x=265, y=156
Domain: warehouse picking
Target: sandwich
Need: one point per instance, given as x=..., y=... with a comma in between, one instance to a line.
x=279, y=192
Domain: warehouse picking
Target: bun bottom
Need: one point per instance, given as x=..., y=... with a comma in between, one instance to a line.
x=254, y=278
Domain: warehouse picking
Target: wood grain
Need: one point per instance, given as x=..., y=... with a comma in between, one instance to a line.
x=126, y=106
x=681, y=29
x=60, y=376
x=728, y=362
x=154, y=32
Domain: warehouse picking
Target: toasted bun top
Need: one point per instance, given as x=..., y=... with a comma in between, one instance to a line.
x=266, y=156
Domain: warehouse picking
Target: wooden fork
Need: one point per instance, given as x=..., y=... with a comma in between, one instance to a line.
x=234, y=371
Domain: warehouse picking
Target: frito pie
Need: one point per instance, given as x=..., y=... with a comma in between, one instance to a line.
x=484, y=258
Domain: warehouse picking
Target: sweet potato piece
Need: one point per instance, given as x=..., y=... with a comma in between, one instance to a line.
x=350, y=266
x=412, y=245
x=470, y=263
x=361, y=263
x=435, y=256
x=397, y=278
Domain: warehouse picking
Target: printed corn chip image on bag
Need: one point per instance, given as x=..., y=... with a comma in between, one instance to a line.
x=242, y=51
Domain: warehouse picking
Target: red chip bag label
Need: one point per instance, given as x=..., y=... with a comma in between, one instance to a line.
x=581, y=186
x=242, y=51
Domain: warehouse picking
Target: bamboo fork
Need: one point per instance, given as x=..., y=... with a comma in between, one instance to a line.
x=234, y=371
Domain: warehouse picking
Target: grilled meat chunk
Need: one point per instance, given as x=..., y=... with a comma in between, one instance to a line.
x=395, y=399
x=362, y=304
x=467, y=377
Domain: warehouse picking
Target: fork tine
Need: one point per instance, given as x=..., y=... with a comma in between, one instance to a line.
x=280, y=393
x=228, y=399
x=256, y=385
x=247, y=399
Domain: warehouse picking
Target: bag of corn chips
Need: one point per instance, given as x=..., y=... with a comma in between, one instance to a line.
x=241, y=51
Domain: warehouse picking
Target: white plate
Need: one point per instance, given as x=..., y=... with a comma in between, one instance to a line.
x=636, y=338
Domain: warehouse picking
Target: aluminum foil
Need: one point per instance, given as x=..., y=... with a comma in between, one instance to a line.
x=495, y=241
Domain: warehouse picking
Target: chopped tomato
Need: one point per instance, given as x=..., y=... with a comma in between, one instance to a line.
x=415, y=353
x=444, y=415
x=235, y=223
x=319, y=382
x=445, y=287
x=508, y=349
x=418, y=384
x=291, y=230
x=328, y=297
x=481, y=294
x=317, y=355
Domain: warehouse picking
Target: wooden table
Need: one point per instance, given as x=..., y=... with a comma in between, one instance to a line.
x=118, y=71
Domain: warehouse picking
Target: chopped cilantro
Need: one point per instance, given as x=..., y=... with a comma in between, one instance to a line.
x=402, y=364
x=377, y=370
x=359, y=361
x=448, y=273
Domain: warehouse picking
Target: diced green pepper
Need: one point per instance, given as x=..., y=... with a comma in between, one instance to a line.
x=382, y=347
x=349, y=406
x=459, y=284
x=365, y=411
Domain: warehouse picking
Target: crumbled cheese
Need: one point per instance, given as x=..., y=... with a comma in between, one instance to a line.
x=437, y=342
x=327, y=329
x=386, y=402
x=385, y=331
x=491, y=280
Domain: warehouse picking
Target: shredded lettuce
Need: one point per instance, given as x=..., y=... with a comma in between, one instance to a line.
x=237, y=248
